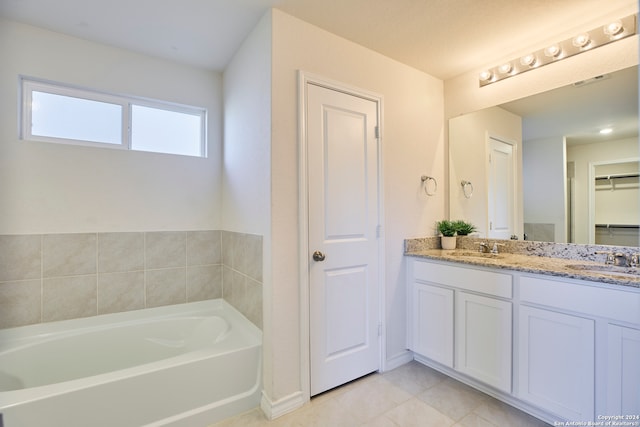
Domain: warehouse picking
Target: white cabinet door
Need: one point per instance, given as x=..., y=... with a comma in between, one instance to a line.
x=483, y=339
x=623, y=371
x=556, y=362
x=433, y=323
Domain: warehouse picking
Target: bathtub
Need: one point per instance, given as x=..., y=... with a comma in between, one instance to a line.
x=183, y=365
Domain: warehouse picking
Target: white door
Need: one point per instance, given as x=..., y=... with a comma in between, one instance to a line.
x=343, y=229
x=501, y=190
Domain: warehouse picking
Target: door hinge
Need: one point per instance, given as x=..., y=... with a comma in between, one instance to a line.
x=378, y=231
x=379, y=329
x=377, y=132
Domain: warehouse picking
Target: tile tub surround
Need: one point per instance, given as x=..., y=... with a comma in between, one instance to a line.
x=62, y=276
x=534, y=257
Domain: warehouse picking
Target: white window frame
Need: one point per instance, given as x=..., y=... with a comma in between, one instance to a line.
x=28, y=85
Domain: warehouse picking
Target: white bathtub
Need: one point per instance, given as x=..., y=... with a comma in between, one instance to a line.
x=184, y=365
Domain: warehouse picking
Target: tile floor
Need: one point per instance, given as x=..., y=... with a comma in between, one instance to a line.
x=411, y=395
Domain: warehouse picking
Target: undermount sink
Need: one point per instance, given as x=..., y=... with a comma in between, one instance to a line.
x=475, y=254
x=606, y=269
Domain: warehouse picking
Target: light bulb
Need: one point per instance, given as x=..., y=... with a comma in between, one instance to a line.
x=553, y=51
x=613, y=29
x=505, y=68
x=582, y=41
x=528, y=60
x=486, y=75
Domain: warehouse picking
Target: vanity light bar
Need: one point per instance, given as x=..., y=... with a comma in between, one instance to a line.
x=582, y=42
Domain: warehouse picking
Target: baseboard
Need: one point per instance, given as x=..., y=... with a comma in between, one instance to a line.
x=397, y=360
x=273, y=410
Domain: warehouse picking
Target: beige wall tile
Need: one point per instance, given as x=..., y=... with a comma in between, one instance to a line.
x=69, y=297
x=239, y=252
x=204, y=247
x=204, y=282
x=165, y=287
x=20, y=303
x=120, y=292
x=253, y=302
x=119, y=252
x=20, y=257
x=233, y=287
x=165, y=249
x=253, y=257
x=220, y=264
x=228, y=243
x=69, y=254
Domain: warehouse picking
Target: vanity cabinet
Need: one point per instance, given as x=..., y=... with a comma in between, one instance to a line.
x=481, y=325
x=556, y=362
x=561, y=349
x=433, y=322
x=483, y=339
x=623, y=370
x=556, y=351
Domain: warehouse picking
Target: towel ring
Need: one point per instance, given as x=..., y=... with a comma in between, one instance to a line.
x=467, y=189
x=425, y=181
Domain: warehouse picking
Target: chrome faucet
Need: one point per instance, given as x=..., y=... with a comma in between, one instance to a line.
x=619, y=259
x=609, y=260
x=484, y=247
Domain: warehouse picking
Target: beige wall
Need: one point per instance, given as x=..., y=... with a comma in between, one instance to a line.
x=413, y=145
x=468, y=160
x=56, y=188
x=543, y=190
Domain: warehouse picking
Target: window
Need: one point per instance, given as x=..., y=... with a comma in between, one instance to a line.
x=57, y=113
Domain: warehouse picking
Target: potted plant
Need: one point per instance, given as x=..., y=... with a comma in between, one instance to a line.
x=464, y=228
x=448, y=231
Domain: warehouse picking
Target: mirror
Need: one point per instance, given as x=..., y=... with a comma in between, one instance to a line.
x=572, y=184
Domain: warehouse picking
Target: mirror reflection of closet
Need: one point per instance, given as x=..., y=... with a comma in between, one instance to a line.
x=617, y=203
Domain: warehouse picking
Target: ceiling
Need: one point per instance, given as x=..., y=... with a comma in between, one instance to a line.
x=443, y=38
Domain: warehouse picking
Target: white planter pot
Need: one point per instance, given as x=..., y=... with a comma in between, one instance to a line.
x=448, y=243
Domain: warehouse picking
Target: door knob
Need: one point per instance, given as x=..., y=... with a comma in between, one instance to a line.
x=318, y=256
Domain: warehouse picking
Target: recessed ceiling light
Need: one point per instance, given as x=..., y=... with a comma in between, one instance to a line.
x=606, y=131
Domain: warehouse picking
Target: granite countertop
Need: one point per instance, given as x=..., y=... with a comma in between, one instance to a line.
x=572, y=264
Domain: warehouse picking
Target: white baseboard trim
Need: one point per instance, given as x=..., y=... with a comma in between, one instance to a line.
x=397, y=361
x=273, y=410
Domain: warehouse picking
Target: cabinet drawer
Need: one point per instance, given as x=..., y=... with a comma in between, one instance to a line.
x=604, y=302
x=486, y=282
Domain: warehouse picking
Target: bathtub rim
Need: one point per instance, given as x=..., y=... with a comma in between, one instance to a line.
x=251, y=337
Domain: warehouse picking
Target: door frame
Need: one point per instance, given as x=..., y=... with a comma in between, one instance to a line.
x=516, y=223
x=591, y=192
x=305, y=78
